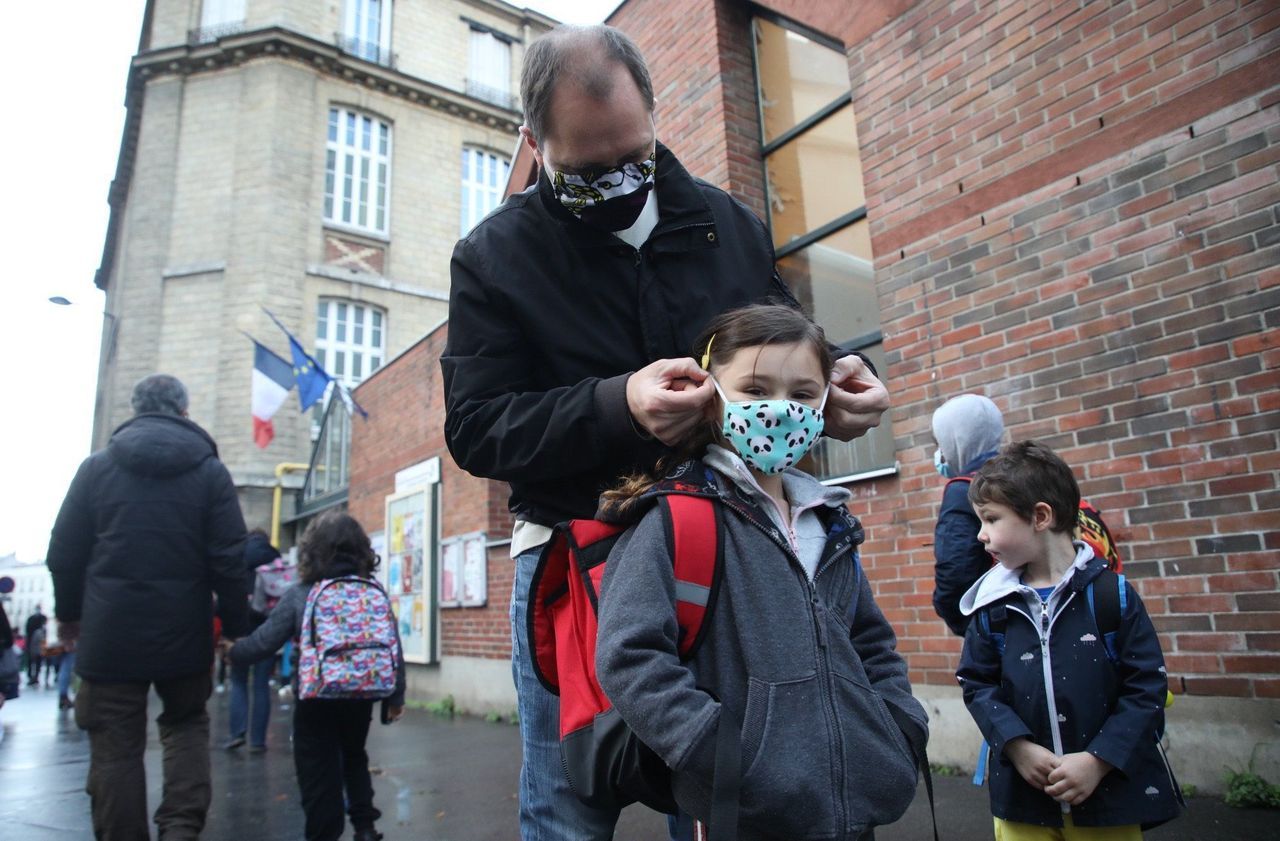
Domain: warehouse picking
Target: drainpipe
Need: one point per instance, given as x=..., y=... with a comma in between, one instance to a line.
x=281, y=469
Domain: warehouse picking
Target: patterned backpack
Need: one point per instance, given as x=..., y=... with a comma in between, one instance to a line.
x=348, y=646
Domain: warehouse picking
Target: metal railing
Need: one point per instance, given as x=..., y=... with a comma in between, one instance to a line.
x=205, y=34
x=367, y=50
x=496, y=96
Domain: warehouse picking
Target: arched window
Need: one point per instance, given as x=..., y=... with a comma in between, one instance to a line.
x=351, y=339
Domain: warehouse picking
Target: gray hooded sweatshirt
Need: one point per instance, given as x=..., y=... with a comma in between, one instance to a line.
x=822, y=757
x=966, y=428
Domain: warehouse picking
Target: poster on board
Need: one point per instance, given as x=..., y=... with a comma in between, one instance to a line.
x=450, y=569
x=464, y=571
x=408, y=572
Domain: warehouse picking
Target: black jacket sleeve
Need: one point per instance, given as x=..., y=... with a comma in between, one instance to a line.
x=959, y=559
x=71, y=545
x=498, y=423
x=224, y=535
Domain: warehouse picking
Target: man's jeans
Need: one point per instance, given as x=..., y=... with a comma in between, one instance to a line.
x=257, y=726
x=115, y=716
x=549, y=810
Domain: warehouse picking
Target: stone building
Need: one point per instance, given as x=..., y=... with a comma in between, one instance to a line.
x=316, y=158
x=1068, y=207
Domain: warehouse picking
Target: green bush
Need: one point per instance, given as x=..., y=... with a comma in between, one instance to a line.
x=444, y=707
x=1246, y=790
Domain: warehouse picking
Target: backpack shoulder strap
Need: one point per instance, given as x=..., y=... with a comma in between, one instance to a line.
x=693, y=526
x=1107, y=598
x=992, y=621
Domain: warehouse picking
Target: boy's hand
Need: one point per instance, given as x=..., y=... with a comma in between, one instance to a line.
x=1033, y=762
x=1076, y=776
x=394, y=713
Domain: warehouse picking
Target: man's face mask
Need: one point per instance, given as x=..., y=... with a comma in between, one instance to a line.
x=610, y=200
x=771, y=435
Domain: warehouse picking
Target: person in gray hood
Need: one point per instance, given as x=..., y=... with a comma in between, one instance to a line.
x=796, y=654
x=967, y=430
x=149, y=532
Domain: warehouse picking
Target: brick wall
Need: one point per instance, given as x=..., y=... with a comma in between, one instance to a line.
x=405, y=402
x=1074, y=211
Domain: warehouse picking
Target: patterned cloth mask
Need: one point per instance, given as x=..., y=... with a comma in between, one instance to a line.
x=771, y=435
x=610, y=200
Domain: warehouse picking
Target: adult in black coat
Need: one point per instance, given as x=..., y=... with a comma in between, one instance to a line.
x=149, y=532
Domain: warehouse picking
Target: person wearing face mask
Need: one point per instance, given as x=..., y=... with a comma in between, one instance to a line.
x=967, y=429
x=572, y=307
x=797, y=656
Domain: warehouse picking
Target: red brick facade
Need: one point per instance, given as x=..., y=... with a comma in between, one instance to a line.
x=405, y=402
x=1073, y=211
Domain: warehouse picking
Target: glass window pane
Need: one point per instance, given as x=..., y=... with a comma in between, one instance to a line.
x=797, y=77
x=322, y=321
x=357, y=361
x=333, y=125
x=357, y=327
x=834, y=283
x=320, y=358
x=339, y=364
x=375, y=362
x=815, y=178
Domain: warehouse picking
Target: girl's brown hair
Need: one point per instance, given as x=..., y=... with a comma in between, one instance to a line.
x=331, y=543
x=756, y=325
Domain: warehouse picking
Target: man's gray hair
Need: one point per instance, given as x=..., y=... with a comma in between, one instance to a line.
x=588, y=56
x=159, y=393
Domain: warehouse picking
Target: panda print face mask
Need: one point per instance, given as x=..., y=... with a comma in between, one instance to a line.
x=771, y=435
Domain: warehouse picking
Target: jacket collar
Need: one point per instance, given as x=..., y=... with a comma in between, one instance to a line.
x=1000, y=582
x=681, y=207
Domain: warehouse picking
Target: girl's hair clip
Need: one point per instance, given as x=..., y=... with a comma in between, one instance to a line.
x=706, y=354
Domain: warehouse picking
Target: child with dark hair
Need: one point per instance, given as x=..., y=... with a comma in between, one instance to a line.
x=796, y=653
x=1073, y=728
x=328, y=734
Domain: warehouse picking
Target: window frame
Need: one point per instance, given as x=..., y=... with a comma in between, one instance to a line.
x=328, y=347
x=338, y=155
x=857, y=214
x=353, y=42
x=482, y=88
x=468, y=217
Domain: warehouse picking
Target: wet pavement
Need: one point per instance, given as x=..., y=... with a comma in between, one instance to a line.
x=435, y=779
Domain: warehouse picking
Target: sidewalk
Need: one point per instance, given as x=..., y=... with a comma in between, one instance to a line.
x=435, y=780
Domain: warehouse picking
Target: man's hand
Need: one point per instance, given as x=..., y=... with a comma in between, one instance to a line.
x=856, y=402
x=1076, y=776
x=68, y=633
x=1033, y=762
x=667, y=398
x=225, y=644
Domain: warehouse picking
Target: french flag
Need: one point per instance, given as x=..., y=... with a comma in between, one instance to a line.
x=272, y=379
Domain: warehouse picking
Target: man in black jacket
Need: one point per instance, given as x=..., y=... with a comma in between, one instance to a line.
x=150, y=530
x=573, y=310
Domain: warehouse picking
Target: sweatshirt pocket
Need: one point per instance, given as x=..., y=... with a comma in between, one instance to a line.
x=880, y=770
x=787, y=785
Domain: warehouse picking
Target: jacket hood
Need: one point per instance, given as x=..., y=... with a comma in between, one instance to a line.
x=160, y=445
x=967, y=427
x=803, y=491
x=999, y=581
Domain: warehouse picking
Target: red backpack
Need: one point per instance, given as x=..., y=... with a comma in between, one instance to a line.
x=607, y=765
x=1091, y=529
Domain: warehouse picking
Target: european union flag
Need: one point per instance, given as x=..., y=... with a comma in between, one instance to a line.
x=312, y=380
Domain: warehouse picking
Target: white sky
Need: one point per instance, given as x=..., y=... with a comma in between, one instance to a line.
x=65, y=107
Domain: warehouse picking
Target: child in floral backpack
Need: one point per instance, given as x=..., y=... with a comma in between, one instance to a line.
x=328, y=733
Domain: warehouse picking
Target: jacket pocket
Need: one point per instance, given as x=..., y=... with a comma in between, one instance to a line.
x=787, y=785
x=880, y=769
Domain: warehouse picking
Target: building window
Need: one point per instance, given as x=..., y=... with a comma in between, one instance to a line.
x=489, y=71
x=357, y=170
x=218, y=18
x=366, y=30
x=817, y=212
x=350, y=339
x=484, y=177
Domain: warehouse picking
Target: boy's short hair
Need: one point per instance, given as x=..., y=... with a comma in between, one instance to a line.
x=1023, y=474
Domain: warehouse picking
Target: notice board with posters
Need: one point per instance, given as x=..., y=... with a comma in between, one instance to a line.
x=464, y=579
x=408, y=569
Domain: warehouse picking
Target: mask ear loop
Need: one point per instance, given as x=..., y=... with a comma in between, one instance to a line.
x=825, y=395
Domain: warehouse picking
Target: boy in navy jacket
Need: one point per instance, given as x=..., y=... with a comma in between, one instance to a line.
x=1074, y=736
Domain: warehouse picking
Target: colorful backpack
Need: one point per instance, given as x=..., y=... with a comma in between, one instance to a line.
x=1091, y=529
x=607, y=765
x=270, y=582
x=348, y=645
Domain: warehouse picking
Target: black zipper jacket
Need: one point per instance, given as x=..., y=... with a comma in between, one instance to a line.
x=548, y=317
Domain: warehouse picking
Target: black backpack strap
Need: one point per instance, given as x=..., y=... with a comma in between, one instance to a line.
x=726, y=784
x=916, y=739
x=992, y=621
x=1106, y=596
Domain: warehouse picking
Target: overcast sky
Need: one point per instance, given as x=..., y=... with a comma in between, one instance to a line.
x=65, y=110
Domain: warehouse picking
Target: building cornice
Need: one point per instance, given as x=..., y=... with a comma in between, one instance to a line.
x=377, y=281
x=274, y=42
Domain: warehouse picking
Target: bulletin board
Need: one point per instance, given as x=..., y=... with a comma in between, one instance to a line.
x=464, y=571
x=409, y=569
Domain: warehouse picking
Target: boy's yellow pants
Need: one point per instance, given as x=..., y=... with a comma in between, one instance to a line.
x=1013, y=831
